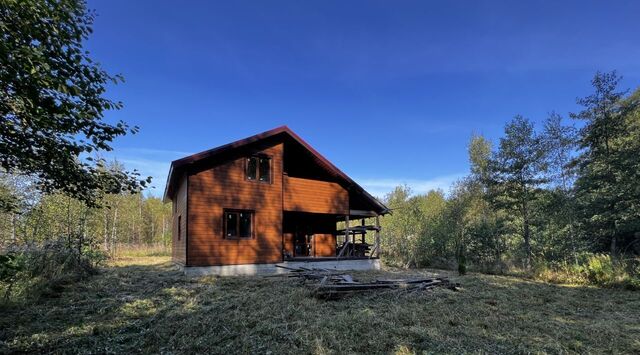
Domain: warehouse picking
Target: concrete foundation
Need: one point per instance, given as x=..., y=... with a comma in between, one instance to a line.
x=266, y=269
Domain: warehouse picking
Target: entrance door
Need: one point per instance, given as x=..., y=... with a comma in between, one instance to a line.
x=303, y=241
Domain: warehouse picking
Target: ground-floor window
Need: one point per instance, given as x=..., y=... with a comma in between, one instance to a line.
x=238, y=224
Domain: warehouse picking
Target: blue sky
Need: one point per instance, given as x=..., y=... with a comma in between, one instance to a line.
x=390, y=91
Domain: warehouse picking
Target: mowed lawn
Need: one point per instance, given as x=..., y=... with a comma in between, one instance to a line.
x=143, y=305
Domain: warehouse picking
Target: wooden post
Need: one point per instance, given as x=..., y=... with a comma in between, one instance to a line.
x=377, y=236
x=346, y=230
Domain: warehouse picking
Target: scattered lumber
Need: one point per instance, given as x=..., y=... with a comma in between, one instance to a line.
x=315, y=274
x=333, y=284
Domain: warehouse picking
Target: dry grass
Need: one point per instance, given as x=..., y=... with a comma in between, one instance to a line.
x=145, y=305
x=141, y=250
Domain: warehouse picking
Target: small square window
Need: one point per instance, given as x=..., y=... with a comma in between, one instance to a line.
x=238, y=224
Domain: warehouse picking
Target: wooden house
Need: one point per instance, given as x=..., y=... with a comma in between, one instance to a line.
x=267, y=199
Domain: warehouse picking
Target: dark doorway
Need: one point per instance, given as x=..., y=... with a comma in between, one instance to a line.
x=303, y=241
x=308, y=235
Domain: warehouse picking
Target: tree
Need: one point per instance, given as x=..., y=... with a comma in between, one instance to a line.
x=52, y=100
x=516, y=174
x=560, y=143
x=602, y=163
x=629, y=172
x=479, y=150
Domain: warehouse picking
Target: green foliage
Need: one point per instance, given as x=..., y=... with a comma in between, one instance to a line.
x=479, y=150
x=462, y=265
x=516, y=173
x=415, y=228
x=52, y=101
x=59, y=239
x=599, y=269
x=606, y=188
x=592, y=269
x=554, y=199
x=11, y=264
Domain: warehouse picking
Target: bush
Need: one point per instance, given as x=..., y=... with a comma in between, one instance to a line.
x=11, y=264
x=41, y=270
x=593, y=269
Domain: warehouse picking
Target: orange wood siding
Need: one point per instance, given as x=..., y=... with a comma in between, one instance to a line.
x=225, y=187
x=324, y=244
x=179, y=205
x=304, y=195
x=324, y=239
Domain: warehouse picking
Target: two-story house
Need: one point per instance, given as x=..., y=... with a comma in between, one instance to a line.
x=270, y=198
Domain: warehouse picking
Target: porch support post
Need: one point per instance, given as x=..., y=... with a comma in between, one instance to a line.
x=346, y=230
x=377, y=236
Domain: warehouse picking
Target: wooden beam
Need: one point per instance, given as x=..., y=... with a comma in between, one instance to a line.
x=346, y=229
x=377, y=248
x=362, y=213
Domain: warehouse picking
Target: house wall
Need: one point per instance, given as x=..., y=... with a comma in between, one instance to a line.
x=179, y=205
x=306, y=195
x=225, y=187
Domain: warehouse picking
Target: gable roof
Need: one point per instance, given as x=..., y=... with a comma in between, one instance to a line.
x=181, y=165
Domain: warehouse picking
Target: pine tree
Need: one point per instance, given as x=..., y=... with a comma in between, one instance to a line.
x=602, y=164
x=516, y=175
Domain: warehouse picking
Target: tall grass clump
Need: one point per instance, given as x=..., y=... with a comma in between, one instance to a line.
x=142, y=250
x=32, y=271
x=592, y=269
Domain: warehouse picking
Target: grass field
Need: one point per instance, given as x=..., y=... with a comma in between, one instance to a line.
x=144, y=305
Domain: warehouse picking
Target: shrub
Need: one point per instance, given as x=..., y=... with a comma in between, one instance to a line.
x=594, y=269
x=32, y=271
x=11, y=264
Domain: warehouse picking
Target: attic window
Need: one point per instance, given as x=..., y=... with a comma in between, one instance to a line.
x=259, y=168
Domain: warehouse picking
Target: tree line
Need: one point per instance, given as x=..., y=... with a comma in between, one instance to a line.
x=564, y=193
x=120, y=221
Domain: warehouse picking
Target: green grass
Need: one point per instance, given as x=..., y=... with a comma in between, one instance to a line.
x=144, y=305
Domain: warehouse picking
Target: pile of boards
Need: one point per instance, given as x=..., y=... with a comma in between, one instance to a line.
x=331, y=284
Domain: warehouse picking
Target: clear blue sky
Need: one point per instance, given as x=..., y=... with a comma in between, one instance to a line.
x=390, y=91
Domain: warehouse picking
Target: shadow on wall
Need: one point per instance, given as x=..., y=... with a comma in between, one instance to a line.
x=212, y=190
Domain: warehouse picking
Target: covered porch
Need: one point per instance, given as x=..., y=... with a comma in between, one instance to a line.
x=317, y=237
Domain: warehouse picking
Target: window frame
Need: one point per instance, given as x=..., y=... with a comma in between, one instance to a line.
x=257, y=179
x=226, y=212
